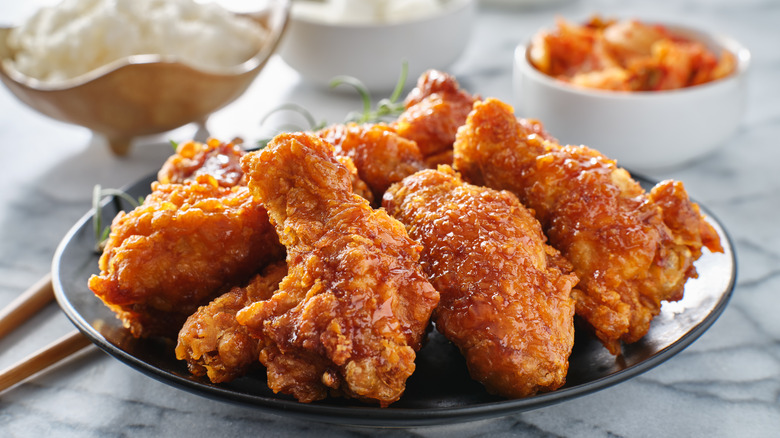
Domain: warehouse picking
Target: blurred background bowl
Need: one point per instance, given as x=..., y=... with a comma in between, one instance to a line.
x=645, y=131
x=374, y=53
x=144, y=94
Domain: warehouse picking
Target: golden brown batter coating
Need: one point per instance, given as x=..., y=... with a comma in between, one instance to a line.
x=213, y=343
x=505, y=294
x=353, y=309
x=358, y=185
x=631, y=250
x=223, y=162
x=215, y=158
x=186, y=244
x=381, y=156
x=435, y=109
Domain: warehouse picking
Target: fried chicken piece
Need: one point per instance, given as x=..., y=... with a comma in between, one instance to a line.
x=350, y=316
x=381, y=156
x=213, y=343
x=505, y=294
x=359, y=187
x=631, y=250
x=435, y=109
x=215, y=158
x=185, y=245
x=223, y=162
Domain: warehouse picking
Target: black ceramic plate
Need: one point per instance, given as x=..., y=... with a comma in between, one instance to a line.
x=440, y=391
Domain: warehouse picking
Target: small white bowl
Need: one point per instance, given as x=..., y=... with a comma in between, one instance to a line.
x=375, y=53
x=645, y=131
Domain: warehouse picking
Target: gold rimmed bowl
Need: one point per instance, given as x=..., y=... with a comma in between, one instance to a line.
x=144, y=94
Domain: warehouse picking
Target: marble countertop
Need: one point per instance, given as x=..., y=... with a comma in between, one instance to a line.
x=725, y=384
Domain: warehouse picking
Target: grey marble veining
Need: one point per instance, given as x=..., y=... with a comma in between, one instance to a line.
x=726, y=384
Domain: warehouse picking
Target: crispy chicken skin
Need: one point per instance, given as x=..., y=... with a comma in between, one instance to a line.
x=358, y=185
x=350, y=315
x=435, y=109
x=186, y=244
x=381, y=156
x=505, y=294
x=223, y=162
x=218, y=159
x=631, y=250
x=213, y=343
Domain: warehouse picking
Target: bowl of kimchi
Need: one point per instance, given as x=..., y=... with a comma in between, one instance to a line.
x=652, y=96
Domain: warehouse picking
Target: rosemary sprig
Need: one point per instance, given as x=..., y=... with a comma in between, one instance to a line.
x=314, y=125
x=386, y=108
x=101, y=231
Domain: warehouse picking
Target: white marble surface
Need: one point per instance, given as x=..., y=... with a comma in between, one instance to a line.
x=726, y=384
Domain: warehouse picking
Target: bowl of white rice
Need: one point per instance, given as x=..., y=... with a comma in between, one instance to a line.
x=128, y=68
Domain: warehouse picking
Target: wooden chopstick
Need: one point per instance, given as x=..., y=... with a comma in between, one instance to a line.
x=20, y=310
x=26, y=305
x=42, y=359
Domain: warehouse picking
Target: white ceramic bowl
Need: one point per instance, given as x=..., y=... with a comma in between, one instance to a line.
x=645, y=131
x=144, y=94
x=375, y=53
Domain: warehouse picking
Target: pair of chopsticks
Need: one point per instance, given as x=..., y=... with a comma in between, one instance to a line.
x=20, y=310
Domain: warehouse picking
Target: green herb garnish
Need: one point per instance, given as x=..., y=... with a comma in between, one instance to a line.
x=102, y=232
x=386, y=108
x=314, y=125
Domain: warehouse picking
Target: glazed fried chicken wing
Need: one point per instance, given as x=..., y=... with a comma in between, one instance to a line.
x=631, y=250
x=381, y=156
x=218, y=159
x=359, y=187
x=350, y=315
x=213, y=343
x=435, y=109
x=186, y=244
x=505, y=294
x=222, y=161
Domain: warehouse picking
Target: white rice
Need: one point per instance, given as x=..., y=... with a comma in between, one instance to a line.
x=77, y=36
